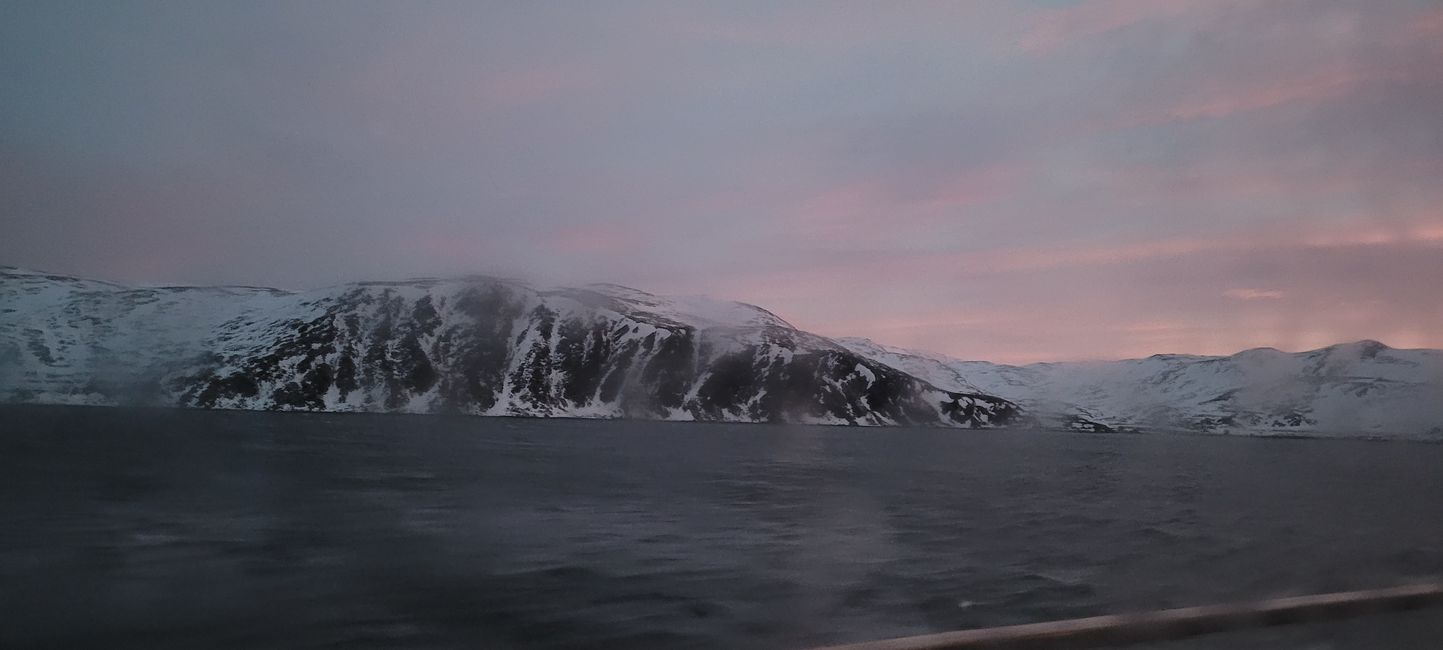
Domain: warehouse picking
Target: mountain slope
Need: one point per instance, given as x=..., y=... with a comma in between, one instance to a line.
x=476, y=345
x=1353, y=388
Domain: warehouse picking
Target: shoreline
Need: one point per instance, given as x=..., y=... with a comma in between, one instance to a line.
x=1422, y=438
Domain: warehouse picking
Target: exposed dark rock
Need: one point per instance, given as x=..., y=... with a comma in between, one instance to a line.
x=488, y=346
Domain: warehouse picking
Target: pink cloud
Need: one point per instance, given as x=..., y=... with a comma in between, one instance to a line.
x=1254, y=294
x=529, y=86
x=849, y=212
x=1298, y=234
x=1056, y=28
x=802, y=26
x=771, y=285
x=1239, y=184
x=1427, y=24
x=975, y=186
x=858, y=198
x=1349, y=53
x=429, y=66
x=1268, y=93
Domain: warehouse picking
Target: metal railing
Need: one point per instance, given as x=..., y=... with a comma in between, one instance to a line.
x=1169, y=624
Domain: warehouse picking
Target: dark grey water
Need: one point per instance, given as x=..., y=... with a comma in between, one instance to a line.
x=222, y=529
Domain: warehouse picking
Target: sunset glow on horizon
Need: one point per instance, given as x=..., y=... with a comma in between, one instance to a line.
x=1008, y=181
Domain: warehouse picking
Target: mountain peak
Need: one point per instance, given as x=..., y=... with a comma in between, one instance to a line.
x=1364, y=349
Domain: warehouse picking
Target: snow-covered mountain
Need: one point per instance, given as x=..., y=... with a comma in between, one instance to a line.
x=1362, y=388
x=476, y=345
x=493, y=346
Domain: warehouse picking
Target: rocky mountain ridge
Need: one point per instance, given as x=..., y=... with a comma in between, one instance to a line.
x=476, y=345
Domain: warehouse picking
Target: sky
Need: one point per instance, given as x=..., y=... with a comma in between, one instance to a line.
x=1010, y=181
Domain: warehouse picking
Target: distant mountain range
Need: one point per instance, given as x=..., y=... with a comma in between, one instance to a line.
x=1358, y=389
x=493, y=346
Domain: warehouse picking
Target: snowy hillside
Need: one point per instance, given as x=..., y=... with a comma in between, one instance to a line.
x=1362, y=388
x=474, y=345
x=499, y=347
